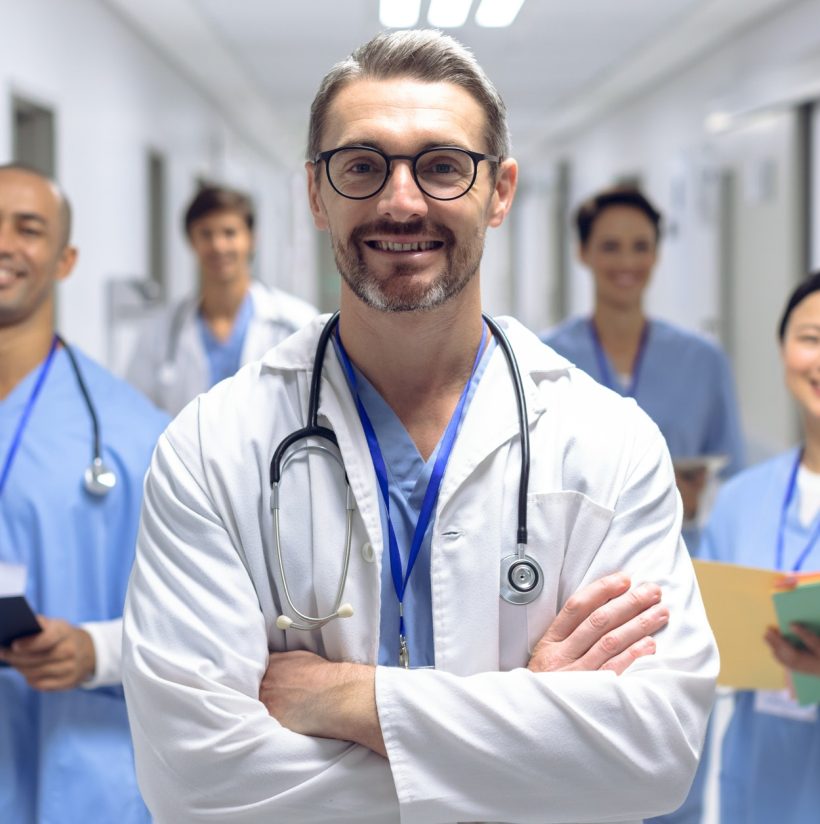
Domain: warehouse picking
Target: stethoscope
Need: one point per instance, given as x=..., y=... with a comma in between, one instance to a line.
x=522, y=578
x=98, y=478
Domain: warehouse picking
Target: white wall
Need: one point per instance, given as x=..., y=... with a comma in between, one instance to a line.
x=115, y=98
x=662, y=137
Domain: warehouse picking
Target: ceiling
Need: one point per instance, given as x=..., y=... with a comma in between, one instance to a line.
x=561, y=62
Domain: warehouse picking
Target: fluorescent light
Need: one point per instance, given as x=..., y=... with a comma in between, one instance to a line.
x=399, y=14
x=448, y=14
x=494, y=14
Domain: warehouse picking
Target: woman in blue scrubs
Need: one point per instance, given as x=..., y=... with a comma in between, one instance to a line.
x=680, y=379
x=769, y=516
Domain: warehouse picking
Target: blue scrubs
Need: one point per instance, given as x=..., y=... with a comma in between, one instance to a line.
x=684, y=384
x=408, y=475
x=67, y=756
x=770, y=765
x=225, y=357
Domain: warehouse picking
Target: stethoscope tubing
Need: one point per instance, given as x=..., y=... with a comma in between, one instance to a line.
x=520, y=560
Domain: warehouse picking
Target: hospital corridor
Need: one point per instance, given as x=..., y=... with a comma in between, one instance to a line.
x=410, y=411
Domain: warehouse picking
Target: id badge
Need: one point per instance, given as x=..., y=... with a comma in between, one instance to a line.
x=781, y=704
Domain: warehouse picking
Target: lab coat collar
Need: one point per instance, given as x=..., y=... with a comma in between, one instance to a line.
x=266, y=303
x=534, y=358
x=493, y=423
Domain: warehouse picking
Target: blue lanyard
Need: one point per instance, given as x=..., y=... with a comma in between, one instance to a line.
x=781, y=531
x=431, y=493
x=603, y=366
x=21, y=425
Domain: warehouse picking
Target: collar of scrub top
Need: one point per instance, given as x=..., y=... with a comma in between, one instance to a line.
x=781, y=530
x=399, y=577
x=603, y=365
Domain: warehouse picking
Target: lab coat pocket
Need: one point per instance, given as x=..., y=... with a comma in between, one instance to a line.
x=565, y=531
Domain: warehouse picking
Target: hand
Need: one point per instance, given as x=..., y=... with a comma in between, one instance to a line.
x=690, y=484
x=59, y=658
x=312, y=696
x=800, y=660
x=604, y=626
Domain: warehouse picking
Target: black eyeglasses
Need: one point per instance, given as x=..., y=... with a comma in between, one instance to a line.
x=443, y=172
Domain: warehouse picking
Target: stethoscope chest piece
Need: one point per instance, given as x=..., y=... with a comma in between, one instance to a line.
x=99, y=480
x=522, y=578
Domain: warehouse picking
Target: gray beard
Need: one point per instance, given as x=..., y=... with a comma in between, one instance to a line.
x=462, y=264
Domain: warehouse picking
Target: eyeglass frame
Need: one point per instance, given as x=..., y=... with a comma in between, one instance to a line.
x=476, y=157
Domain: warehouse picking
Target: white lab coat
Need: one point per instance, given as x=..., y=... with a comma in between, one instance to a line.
x=169, y=363
x=478, y=738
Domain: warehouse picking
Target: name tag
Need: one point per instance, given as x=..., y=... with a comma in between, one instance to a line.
x=781, y=704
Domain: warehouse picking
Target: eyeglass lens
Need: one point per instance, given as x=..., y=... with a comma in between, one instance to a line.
x=440, y=173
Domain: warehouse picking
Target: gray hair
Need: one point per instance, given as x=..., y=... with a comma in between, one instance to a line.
x=421, y=54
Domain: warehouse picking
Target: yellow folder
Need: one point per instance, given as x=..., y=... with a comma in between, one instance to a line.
x=739, y=606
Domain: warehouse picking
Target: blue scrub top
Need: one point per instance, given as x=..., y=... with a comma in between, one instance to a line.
x=408, y=476
x=770, y=767
x=225, y=357
x=67, y=756
x=685, y=385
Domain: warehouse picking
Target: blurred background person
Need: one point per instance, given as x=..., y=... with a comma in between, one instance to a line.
x=74, y=445
x=230, y=321
x=681, y=379
x=769, y=516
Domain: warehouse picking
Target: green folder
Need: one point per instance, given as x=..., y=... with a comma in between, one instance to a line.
x=800, y=605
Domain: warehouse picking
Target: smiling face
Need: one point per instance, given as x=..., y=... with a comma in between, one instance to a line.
x=800, y=352
x=33, y=252
x=400, y=250
x=223, y=244
x=621, y=252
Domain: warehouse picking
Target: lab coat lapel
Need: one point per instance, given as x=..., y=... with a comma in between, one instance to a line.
x=475, y=519
x=354, y=638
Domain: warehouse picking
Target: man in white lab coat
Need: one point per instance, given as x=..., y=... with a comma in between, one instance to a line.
x=428, y=698
x=230, y=321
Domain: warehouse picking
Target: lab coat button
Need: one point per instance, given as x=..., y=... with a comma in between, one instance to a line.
x=368, y=553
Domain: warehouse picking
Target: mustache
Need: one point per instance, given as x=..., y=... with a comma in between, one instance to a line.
x=435, y=231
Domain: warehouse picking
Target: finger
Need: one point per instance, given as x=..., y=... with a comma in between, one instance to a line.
x=580, y=605
x=616, y=641
x=787, y=581
x=53, y=683
x=811, y=640
x=51, y=672
x=619, y=663
x=782, y=650
x=59, y=652
x=53, y=632
x=609, y=617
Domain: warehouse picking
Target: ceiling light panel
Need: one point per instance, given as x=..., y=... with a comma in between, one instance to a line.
x=399, y=14
x=448, y=14
x=495, y=14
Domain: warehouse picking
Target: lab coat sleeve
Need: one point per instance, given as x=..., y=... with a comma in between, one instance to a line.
x=571, y=746
x=195, y=650
x=107, y=639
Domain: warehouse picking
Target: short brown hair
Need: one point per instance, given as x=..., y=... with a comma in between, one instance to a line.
x=211, y=199
x=421, y=54
x=590, y=210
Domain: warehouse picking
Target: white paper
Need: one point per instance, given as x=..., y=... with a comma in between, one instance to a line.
x=781, y=704
x=12, y=580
